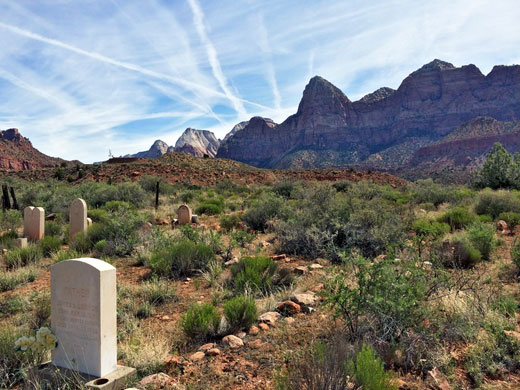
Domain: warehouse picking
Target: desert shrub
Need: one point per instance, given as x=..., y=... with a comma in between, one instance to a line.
x=117, y=205
x=457, y=218
x=426, y=228
x=323, y=366
x=187, y=196
x=53, y=228
x=515, y=253
x=98, y=215
x=495, y=354
x=465, y=255
x=368, y=371
x=65, y=254
x=11, y=361
x=181, y=259
x=42, y=310
x=81, y=243
x=512, y=219
x=499, y=170
x=229, y=222
x=10, y=220
x=496, y=202
x=257, y=274
x=240, y=312
x=389, y=298
x=157, y=292
x=7, y=238
x=284, y=188
x=482, y=238
x=98, y=194
x=144, y=310
x=261, y=211
x=342, y=185
x=241, y=238
x=211, y=206
x=9, y=280
x=12, y=305
x=485, y=218
x=427, y=191
x=49, y=244
x=20, y=257
x=506, y=305
x=200, y=321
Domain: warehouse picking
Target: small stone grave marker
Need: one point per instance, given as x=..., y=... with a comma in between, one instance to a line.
x=78, y=217
x=184, y=214
x=34, y=223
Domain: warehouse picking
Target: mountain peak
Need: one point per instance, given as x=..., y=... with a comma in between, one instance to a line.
x=197, y=142
x=379, y=94
x=12, y=135
x=435, y=65
x=319, y=91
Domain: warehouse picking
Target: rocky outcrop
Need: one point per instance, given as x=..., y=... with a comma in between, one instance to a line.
x=329, y=130
x=235, y=129
x=17, y=153
x=156, y=150
x=197, y=143
x=380, y=94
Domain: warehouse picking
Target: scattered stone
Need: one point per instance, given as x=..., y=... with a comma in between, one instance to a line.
x=289, y=320
x=315, y=267
x=278, y=257
x=20, y=242
x=165, y=318
x=197, y=356
x=301, y=270
x=213, y=352
x=512, y=333
x=437, y=380
x=256, y=344
x=195, y=219
x=304, y=299
x=253, y=330
x=233, y=341
x=264, y=244
x=160, y=379
x=270, y=317
x=241, y=335
x=51, y=217
x=263, y=326
x=4, y=251
x=206, y=347
x=289, y=307
x=234, y=260
x=502, y=226
x=184, y=214
x=307, y=310
x=318, y=287
x=173, y=360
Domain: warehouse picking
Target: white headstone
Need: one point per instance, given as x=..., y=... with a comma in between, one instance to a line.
x=83, y=316
x=184, y=214
x=34, y=223
x=20, y=242
x=78, y=217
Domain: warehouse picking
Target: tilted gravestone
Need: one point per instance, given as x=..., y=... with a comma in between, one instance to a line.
x=184, y=214
x=83, y=316
x=34, y=223
x=78, y=218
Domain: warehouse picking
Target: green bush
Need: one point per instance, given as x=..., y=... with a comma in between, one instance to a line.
x=229, y=222
x=65, y=254
x=53, y=228
x=482, y=238
x=427, y=228
x=181, y=259
x=261, y=211
x=208, y=209
x=457, y=218
x=200, y=321
x=499, y=170
x=10, y=220
x=157, y=292
x=515, y=253
x=369, y=372
x=512, y=219
x=98, y=215
x=49, y=245
x=20, y=257
x=240, y=312
x=144, y=310
x=464, y=254
x=254, y=273
x=496, y=202
x=485, y=218
x=117, y=205
x=9, y=280
x=81, y=243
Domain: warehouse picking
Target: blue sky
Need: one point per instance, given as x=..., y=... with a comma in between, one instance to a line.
x=82, y=77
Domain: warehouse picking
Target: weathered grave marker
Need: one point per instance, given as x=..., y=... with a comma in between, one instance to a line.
x=184, y=214
x=83, y=312
x=78, y=218
x=34, y=223
x=20, y=242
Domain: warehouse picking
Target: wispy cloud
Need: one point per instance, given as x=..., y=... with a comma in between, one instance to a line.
x=83, y=77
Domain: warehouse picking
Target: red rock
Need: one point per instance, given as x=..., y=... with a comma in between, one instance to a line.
x=437, y=380
x=263, y=326
x=197, y=356
x=233, y=341
x=160, y=379
x=213, y=352
x=206, y=347
x=289, y=307
x=253, y=330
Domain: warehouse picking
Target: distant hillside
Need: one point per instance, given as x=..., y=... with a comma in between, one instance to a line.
x=18, y=153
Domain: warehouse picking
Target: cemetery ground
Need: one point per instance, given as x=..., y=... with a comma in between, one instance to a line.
x=365, y=285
